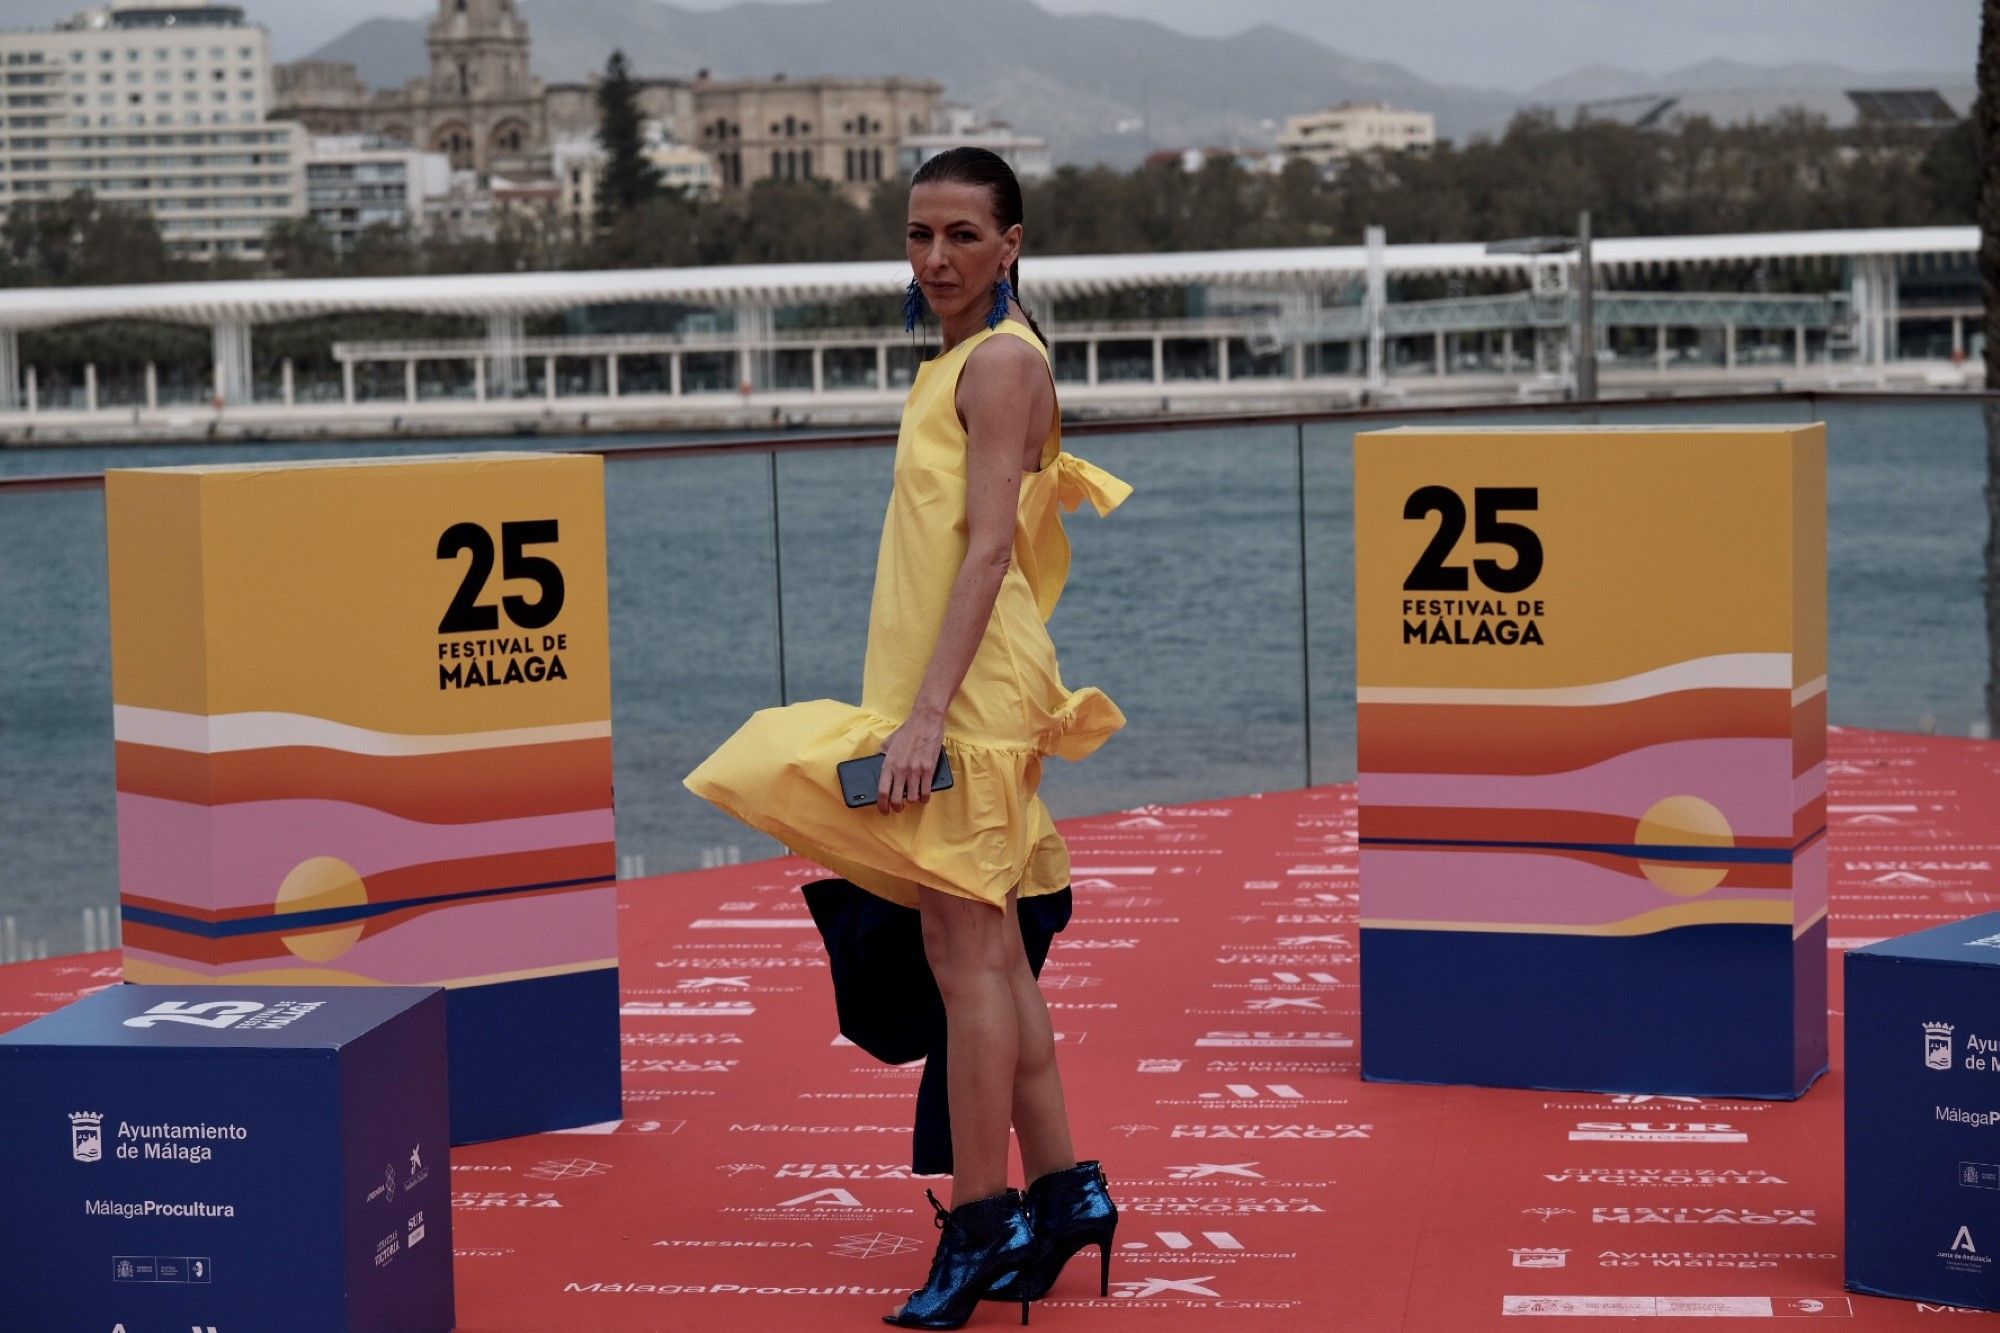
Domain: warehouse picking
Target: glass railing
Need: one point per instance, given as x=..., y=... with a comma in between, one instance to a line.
x=1214, y=607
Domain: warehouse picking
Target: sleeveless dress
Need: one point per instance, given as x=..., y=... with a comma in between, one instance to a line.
x=989, y=832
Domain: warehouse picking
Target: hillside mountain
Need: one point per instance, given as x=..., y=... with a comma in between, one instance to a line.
x=1073, y=78
x=388, y=53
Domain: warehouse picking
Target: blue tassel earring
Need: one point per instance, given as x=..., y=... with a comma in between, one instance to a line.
x=1003, y=292
x=913, y=305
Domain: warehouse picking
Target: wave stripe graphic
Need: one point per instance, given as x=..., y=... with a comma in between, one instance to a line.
x=1663, y=852
x=1761, y=876
x=236, y=855
x=531, y=926
x=291, y=923
x=1488, y=863
x=1724, y=671
x=1517, y=826
x=1749, y=780
x=221, y=733
x=1417, y=738
x=1730, y=913
x=460, y=787
x=153, y=971
x=471, y=939
x=588, y=861
x=1478, y=884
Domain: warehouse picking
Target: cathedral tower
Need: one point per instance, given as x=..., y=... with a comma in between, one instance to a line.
x=481, y=106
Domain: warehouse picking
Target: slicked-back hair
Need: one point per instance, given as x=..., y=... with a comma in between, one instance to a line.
x=990, y=172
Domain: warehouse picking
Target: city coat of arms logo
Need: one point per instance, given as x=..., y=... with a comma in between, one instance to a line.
x=86, y=1136
x=1937, y=1045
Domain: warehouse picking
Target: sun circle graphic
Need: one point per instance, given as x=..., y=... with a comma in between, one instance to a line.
x=314, y=885
x=1684, y=821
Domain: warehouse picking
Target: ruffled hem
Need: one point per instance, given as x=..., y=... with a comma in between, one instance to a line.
x=988, y=833
x=1086, y=719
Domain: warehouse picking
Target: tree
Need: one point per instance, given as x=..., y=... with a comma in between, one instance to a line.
x=300, y=248
x=1986, y=115
x=664, y=233
x=381, y=250
x=628, y=179
x=1951, y=171
x=80, y=240
x=786, y=222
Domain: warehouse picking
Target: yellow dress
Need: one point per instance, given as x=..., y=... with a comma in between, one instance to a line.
x=990, y=831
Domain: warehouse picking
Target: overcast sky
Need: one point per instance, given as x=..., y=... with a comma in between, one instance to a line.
x=1511, y=44
x=1519, y=43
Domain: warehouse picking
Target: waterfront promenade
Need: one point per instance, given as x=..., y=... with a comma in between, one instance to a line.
x=1263, y=330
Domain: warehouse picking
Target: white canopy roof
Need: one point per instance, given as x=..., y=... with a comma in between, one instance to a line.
x=766, y=285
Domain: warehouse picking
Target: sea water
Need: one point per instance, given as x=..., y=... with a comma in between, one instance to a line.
x=1214, y=607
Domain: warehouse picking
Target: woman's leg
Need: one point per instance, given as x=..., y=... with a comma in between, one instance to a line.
x=968, y=945
x=1041, y=1122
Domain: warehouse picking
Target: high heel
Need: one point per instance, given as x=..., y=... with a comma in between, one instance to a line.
x=985, y=1242
x=1069, y=1210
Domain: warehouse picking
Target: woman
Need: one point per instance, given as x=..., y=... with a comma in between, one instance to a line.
x=972, y=560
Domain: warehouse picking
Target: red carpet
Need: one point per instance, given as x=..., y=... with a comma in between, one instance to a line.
x=1205, y=994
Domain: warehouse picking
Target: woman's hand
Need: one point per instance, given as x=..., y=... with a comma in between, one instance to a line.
x=909, y=760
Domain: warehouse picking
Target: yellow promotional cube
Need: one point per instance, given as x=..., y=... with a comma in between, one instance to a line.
x=1592, y=757
x=363, y=727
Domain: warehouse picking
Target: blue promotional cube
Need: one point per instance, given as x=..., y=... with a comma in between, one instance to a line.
x=235, y=1157
x=1923, y=1115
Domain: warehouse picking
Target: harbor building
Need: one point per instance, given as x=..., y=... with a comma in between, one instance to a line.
x=1325, y=138
x=162, y=105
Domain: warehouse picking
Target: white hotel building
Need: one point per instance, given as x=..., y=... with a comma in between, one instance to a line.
x=160, y=104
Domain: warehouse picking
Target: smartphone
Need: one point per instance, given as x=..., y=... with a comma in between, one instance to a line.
x=861, y=779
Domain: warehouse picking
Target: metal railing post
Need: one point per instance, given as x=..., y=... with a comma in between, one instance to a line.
x=10, y=370
x=778, y=580
x=1305, y=607
x=1586, y=312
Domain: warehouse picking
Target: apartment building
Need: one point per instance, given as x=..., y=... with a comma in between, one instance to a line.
x=159, y=104
x=355, y=182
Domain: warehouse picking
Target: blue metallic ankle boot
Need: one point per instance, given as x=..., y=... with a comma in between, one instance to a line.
x=1069, y=1210
x=984, y=1242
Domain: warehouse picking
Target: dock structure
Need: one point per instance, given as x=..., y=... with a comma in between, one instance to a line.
x=1309, y=327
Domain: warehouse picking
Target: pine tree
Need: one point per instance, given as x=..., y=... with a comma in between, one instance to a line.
x=628, y=180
